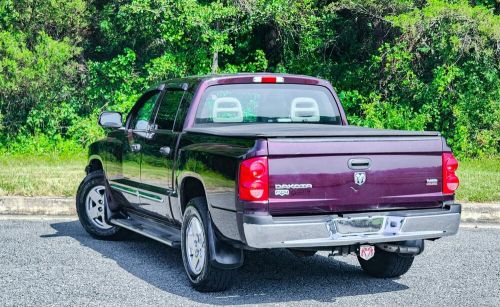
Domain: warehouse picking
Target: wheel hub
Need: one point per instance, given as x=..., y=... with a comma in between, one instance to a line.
x=195, y=245
x=94, y=205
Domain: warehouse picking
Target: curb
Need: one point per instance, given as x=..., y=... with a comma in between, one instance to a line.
x=19, y=205
x=60, y=206
x=481, y=212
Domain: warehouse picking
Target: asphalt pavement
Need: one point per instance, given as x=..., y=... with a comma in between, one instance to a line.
x=49, y=262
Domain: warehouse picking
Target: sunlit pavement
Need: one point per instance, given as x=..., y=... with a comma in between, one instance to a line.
x=45, y=261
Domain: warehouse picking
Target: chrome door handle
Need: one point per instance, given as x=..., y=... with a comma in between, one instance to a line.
x=165, y=151
x=359, y=163
x=135, y=147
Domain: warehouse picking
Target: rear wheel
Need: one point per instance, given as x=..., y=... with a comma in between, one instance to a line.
x=90, y=207
x=202, y=275
x=386, y=264
x=302, y=253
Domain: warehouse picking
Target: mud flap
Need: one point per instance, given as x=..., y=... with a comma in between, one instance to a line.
x=222, y=254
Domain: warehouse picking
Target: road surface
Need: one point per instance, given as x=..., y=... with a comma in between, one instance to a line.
x=47, y=262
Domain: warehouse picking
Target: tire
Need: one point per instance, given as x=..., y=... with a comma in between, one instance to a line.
x=302, y=253
x=90, y=208
x=202, y=275
x=386, y=264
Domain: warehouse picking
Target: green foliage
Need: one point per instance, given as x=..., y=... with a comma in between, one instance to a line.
x=436, y=69
x=399, y=64
x=114, y=82
x=49, y=174
x=42, y=145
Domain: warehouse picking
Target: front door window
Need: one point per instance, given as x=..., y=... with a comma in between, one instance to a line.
x=140, y=121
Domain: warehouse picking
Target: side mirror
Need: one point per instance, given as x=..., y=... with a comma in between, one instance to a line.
x=110, y=119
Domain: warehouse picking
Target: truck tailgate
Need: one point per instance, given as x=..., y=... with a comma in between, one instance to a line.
x=314, y=175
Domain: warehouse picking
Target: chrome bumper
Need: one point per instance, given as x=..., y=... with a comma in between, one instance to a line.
x=361, y=228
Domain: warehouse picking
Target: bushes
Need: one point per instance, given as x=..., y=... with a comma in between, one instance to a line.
x=396, y=64
x=41, y=145
x=446, y=66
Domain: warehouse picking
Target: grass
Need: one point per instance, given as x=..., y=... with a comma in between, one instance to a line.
x=60, y=176
x=479, y=180
x=41, y=176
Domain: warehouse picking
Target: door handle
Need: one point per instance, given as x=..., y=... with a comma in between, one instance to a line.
x=359, y=163
x=135, y=147
x=165, y=151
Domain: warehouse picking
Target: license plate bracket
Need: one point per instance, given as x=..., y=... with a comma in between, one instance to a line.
x=359, y=225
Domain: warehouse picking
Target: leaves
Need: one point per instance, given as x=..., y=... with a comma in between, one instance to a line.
x=400, y=64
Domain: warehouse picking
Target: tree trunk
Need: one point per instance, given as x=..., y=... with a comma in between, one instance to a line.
x=215, y=62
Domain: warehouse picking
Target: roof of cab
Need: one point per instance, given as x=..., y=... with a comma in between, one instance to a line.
x=242, y=78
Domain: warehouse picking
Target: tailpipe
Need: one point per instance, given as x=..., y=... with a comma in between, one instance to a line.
x=413, y=247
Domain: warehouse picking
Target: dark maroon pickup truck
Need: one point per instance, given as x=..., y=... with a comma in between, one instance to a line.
x=220, y=164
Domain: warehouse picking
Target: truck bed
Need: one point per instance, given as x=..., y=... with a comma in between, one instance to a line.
x=312, y=162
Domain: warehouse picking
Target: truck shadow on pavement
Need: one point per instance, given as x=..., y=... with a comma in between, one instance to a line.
x=272, y=276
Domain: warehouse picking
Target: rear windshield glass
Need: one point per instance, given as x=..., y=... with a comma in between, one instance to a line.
x=267, y=103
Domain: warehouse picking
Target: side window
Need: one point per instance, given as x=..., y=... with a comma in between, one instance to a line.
x=167, y=112
x=140, y=119
x=183, y=110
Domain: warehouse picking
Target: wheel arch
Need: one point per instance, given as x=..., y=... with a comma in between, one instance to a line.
x=95, y=164
x=191, y=186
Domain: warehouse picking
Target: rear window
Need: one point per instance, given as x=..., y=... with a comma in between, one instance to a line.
x=267, y=103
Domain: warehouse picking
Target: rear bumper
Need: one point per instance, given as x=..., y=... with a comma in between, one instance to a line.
x=360, y=228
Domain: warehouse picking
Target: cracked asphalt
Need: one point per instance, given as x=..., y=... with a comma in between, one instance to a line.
x=50, y=262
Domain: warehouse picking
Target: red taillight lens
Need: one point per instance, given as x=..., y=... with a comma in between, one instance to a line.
x=253, y=180
x=450, y=179
x=268, y=79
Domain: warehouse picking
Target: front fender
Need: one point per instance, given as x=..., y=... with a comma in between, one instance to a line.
x=108, y=152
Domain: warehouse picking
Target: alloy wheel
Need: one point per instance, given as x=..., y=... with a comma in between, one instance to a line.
x=94, y=205
x=195, y=245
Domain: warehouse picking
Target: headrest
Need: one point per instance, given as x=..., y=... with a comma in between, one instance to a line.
x=304, y=109
x=227, y=110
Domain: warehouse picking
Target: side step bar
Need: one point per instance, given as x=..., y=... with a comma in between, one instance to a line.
x=162, y=233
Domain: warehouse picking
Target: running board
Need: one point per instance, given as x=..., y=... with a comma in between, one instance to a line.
x=162, y=233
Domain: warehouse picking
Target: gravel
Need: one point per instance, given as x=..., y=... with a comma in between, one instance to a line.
x=48, y=262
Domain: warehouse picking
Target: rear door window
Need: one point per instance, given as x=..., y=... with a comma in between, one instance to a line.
x=169, y=106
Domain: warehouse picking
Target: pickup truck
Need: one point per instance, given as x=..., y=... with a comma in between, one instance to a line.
x=216, y=165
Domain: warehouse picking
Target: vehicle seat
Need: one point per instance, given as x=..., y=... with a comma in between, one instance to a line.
x=227, y=110
x=304, y=109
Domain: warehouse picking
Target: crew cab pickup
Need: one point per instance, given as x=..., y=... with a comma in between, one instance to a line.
x=220, y=164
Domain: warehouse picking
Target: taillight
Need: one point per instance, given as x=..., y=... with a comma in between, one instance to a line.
x=450, y=179
x=254, y=179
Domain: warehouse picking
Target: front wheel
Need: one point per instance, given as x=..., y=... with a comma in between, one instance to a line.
x=202, y=275
x=90, y=207
x=386, y=264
